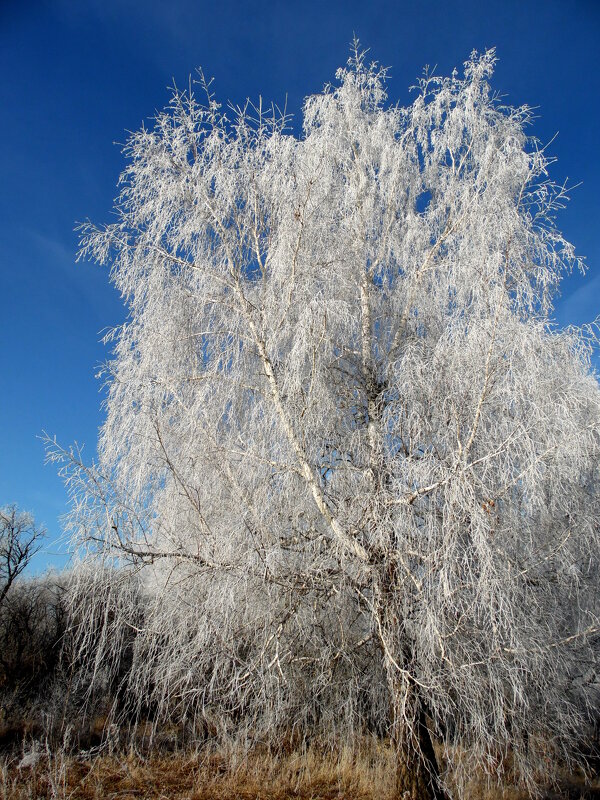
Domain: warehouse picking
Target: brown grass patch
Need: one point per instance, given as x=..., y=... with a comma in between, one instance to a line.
x=313, y=774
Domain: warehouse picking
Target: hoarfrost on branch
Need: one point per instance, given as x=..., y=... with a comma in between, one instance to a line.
x=347, y=455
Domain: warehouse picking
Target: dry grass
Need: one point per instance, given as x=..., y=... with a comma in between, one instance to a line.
x=310, y=775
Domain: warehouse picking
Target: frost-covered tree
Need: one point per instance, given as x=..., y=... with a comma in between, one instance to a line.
x=346, y=451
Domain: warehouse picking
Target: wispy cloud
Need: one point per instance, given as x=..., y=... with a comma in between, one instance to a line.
x=582, y=305
x=88, y=282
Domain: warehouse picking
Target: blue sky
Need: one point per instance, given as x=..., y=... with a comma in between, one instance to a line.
x=75, y=75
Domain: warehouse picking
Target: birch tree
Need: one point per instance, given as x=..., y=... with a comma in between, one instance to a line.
x=346, y=450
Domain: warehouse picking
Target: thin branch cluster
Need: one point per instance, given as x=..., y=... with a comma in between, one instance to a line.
x=20, y=539
x=347, y=459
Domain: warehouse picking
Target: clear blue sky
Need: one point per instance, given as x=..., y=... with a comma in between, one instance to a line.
x=76, y=74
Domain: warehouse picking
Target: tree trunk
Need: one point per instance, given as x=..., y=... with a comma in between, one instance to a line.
x=418, y=776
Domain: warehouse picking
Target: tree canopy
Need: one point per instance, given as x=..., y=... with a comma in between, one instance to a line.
x=346, y=452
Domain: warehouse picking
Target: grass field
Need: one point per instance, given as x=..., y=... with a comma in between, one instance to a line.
x=310, y=775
